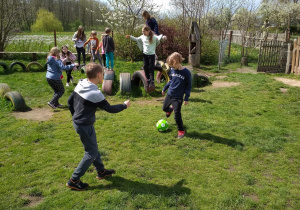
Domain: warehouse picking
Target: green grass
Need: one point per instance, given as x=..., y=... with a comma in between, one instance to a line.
x=241, y=150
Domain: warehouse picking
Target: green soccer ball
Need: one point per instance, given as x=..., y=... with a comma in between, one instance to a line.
x=162, y=125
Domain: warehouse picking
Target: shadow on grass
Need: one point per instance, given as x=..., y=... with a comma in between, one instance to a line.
x=216, y=139
x=136, y=187
x=199, y=100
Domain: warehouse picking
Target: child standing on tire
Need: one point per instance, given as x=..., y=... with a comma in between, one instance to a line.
x=109, y=48
x=67, y=57
x=83, y=104
x=94, y=43
x=180, y=84
x=147, y=43
x=54, y=68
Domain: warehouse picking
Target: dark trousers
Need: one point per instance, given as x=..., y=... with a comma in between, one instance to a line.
x=69, y=73
x=80, y=50
x=58, y=88
x=177, y=104
x=149, y=61
x=91, y=154
x=104, y=59
x=96, y=54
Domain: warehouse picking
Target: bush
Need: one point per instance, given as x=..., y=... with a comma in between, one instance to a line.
x=209, y=51
x=123, y=48
x=46, y=22
x=177, y=41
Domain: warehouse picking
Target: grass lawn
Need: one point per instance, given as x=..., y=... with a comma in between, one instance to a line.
x=241, y=150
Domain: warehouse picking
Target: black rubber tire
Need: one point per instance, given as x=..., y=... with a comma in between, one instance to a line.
x=5, y=67
x=109, y=75
x=82, y=70
x=201, y=80
x=125, y=82
x=107, y=86
x=139, y=78
x=16, y=99
x=158, y=66
x=36, y=64
x=17, y=63
x=4, y=88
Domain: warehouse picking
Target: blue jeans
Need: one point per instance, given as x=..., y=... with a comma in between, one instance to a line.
x=91, y=155
x=109, y=57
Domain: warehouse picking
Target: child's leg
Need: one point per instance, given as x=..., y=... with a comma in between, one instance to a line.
x=83, y=54
x=177, y=104
x=91, y=156
x=99, y=58
x=93, y=55
x=146, y=67
x=69, y=75
x=58, y=88
x=111, y=58
x=107, y=60
x=151, y=67
x=78, y=54
x=104, y=59
x=167, y=103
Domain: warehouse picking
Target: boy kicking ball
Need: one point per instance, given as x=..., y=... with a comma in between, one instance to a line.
x=83, y=102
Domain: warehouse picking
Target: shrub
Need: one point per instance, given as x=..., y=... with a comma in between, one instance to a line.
x=46, y=22
x=209, y=51
x=177, y=41
x=123, y=48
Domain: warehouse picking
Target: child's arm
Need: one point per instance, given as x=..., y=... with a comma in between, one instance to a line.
x=86, y=42
x=63, y=67
x=188, y=89
x=74, y=37
x=71, y=104
x=72, y=57
x=113, y=108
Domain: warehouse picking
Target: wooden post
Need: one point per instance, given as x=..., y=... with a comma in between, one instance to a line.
x=298, y=58
x=294, y=56
x=229, y=45
x=289, y=59
x=55, y=38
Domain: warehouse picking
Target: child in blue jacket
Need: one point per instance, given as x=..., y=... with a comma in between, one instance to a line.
x=180, y=84
x=54, y=74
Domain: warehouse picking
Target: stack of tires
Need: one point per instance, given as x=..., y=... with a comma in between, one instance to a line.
x=14, y=96
x=108, y=81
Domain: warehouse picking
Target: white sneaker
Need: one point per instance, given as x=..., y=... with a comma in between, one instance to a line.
x=67, y=85
x=72, y=80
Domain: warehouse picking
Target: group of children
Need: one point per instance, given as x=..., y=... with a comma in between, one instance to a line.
x=86, y=97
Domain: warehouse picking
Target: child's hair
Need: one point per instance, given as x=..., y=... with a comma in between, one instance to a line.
x=107, y=30
x=80, y=33
x=62, y=52
x=94, y=33
x=145, y=14
x=92, y=69
x=174, y=58
x=146, y=28
x=54, y=52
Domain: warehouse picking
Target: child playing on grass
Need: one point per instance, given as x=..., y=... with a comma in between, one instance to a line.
x=151, y=22
x=148, y=43
x=102, y=50
x=79, y=37
x=94, y=42
x=54, y=67
x=67, y=57
x=83, y=104
x=180, y=83
x=109, y=48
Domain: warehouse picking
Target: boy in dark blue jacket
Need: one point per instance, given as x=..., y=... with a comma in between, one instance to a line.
x=180, y=84
x=83, y=103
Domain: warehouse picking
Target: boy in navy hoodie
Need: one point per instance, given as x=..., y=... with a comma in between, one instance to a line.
x=83, y=103
x=180, y=84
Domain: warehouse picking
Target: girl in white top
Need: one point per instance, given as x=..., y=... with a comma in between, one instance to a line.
x=148, y=43
x=80, y=38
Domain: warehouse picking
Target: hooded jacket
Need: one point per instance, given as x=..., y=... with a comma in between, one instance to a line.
x=84, y=101
x=54, y=67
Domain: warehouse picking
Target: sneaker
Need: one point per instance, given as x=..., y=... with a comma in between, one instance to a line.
x=60, y=106
x=67, y=84
x=105, y=173
x=169, y=113
x=72, y=80
x=52, y=105
x=77, y=185
x=151, y=84
x=181, y=134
